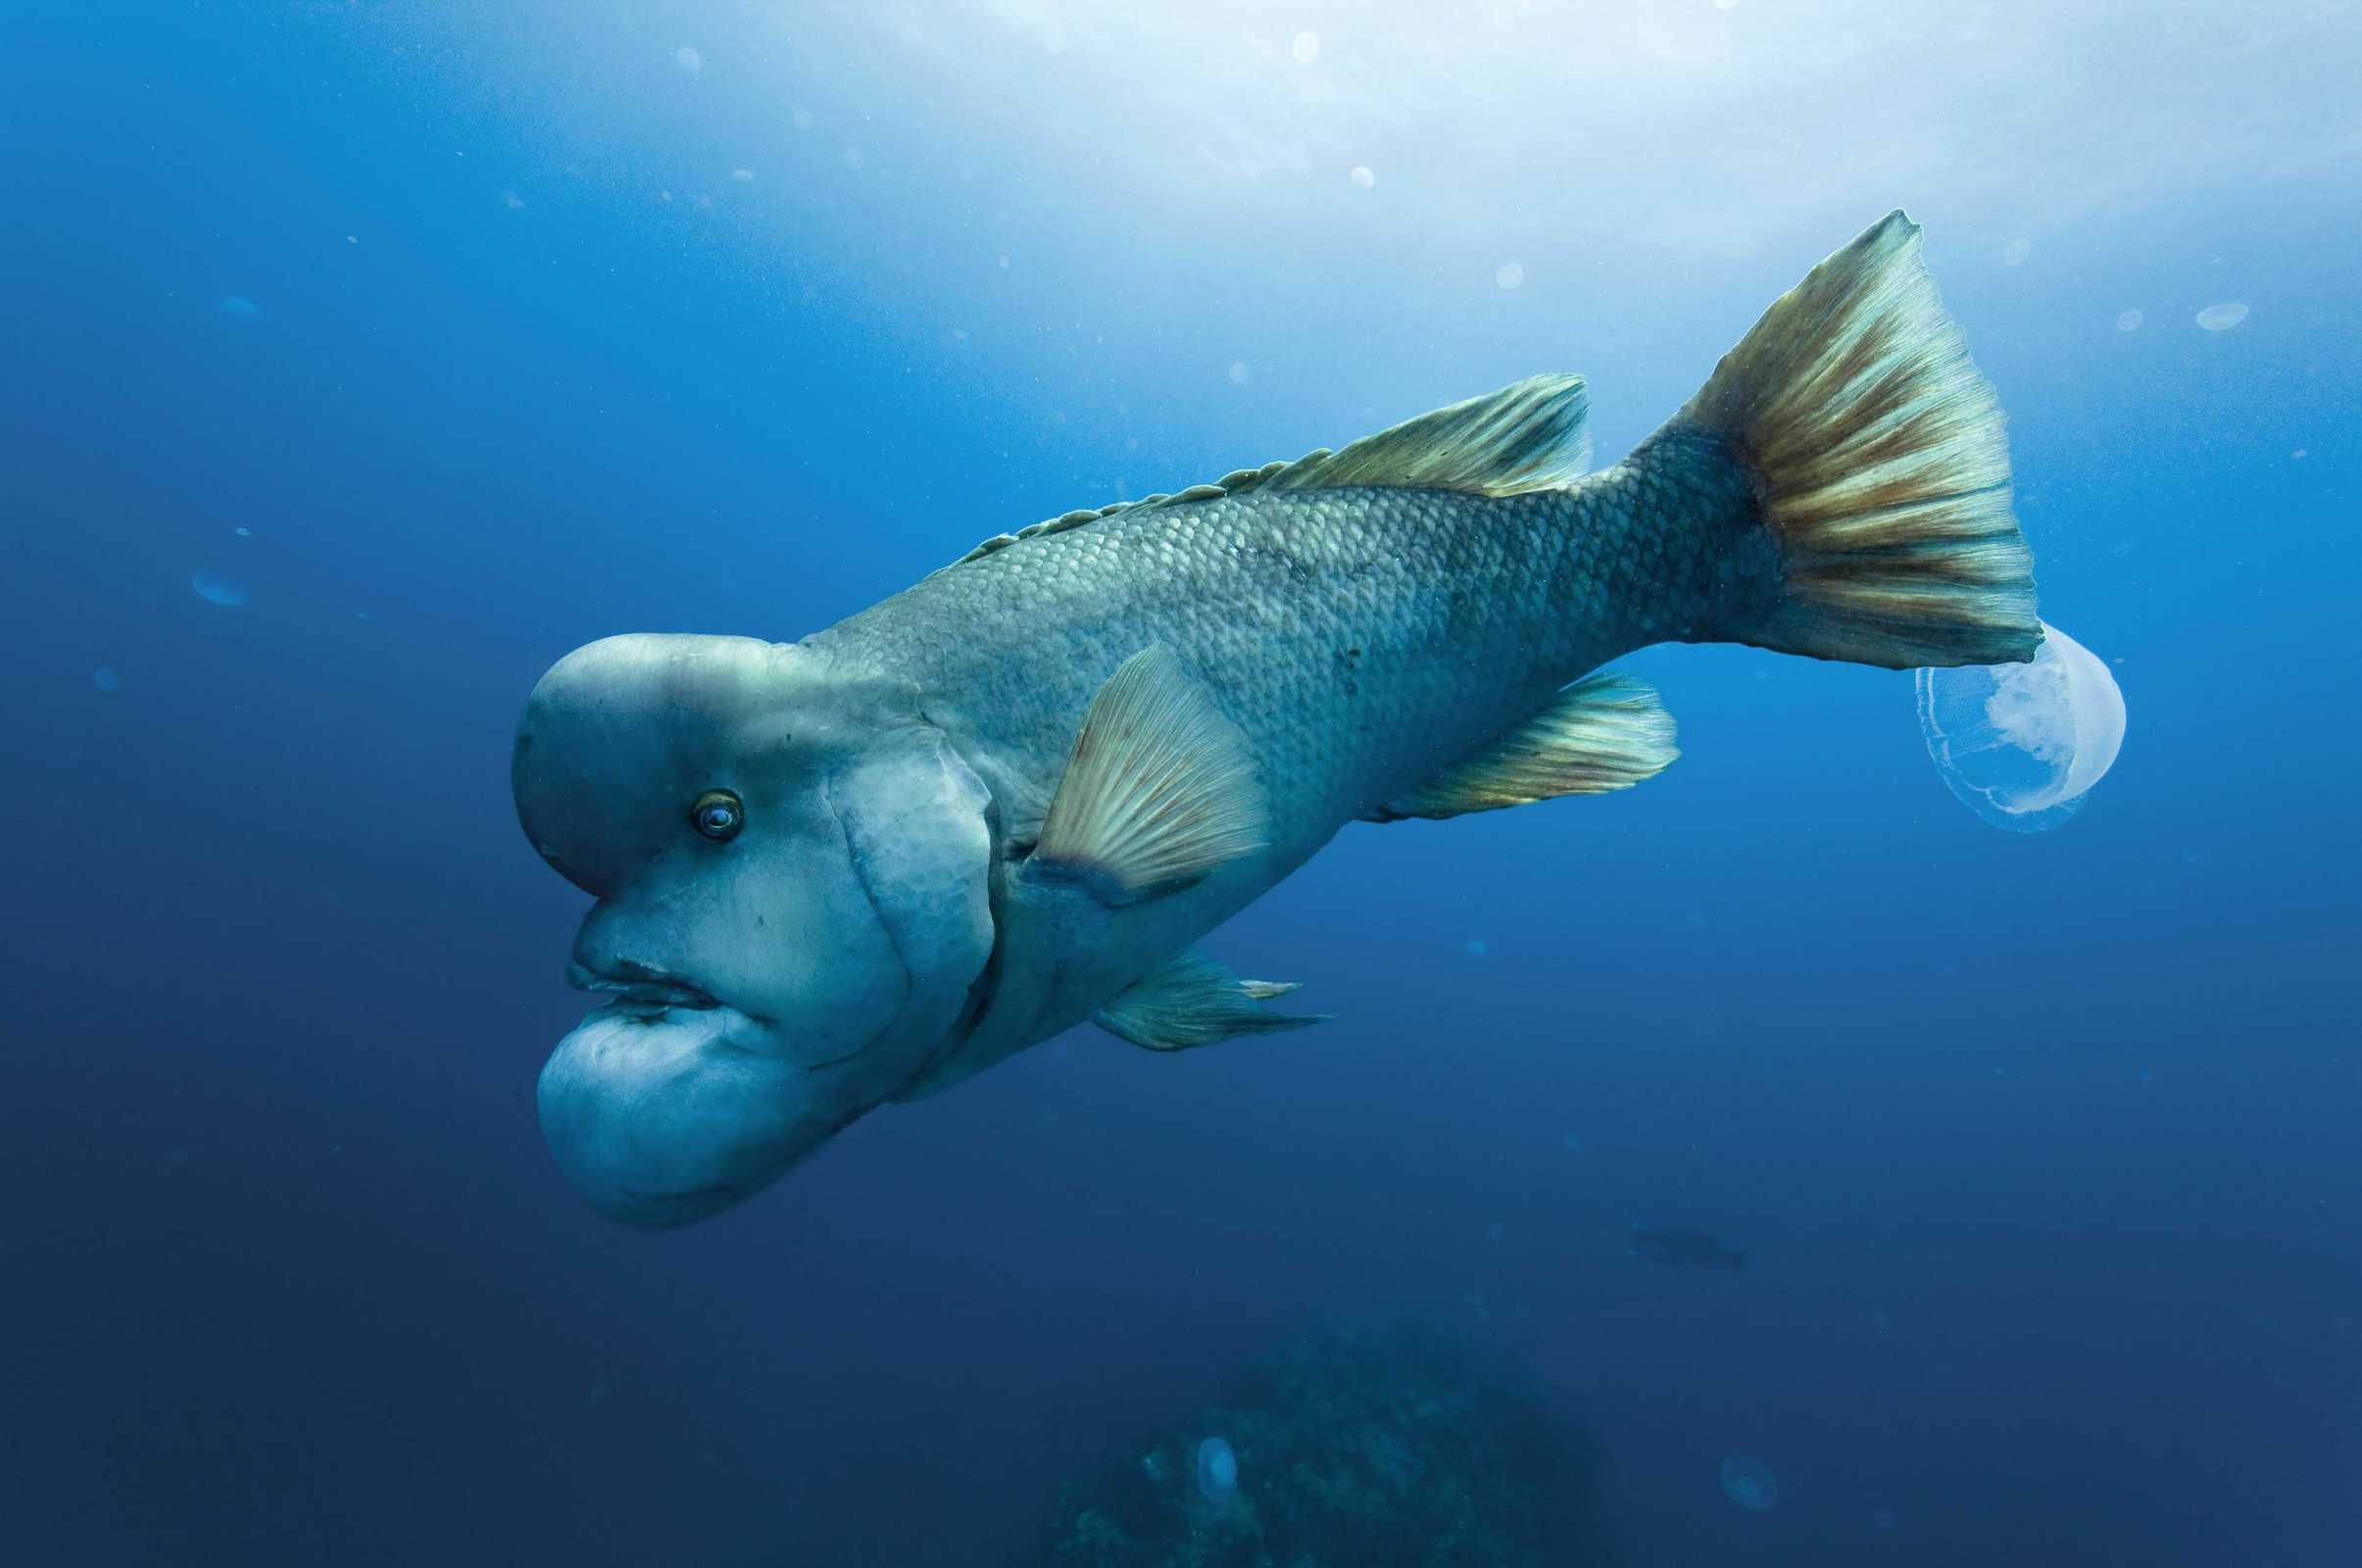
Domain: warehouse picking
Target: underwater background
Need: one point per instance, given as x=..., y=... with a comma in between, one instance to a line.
x=363, y=360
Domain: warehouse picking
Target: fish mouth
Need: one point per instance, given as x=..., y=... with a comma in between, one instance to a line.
x=640, y=989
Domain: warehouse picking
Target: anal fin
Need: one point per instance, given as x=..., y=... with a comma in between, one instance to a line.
x=1605, y=732
x=1159, y=791
x=1194, y=1001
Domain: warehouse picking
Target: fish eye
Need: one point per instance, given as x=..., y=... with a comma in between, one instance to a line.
x=718, y=814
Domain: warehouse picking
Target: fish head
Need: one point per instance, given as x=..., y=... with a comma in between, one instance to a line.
x=791, y=871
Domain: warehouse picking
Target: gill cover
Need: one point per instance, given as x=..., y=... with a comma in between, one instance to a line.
x=773, y=983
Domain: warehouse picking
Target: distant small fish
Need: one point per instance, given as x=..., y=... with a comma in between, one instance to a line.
x=1680, y=1247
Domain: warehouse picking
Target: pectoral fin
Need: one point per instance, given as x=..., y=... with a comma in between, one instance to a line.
x=1194, y=1001
x=1157, y=793
x=1605, y=732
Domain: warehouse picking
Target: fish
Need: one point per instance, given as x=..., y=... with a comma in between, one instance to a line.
x=1681, y=1247
x=860, y=869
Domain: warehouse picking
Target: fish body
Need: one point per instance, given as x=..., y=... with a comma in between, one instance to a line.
x=1362, y=639
x=1683, y=1247
x=864, y=866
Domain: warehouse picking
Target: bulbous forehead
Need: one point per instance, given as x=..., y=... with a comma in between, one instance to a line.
x=622, y=734
x=640, y=698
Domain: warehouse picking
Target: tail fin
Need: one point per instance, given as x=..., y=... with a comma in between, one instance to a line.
x=1879, y=466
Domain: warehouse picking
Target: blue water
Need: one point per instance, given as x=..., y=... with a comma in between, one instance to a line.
x=440, y=340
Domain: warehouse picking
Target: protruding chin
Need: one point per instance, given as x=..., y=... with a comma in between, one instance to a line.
x=659, y=1121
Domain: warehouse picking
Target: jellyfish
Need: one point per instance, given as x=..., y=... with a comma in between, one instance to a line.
x=218, y=589
x=2021, y=744
x=1217, y=1472
x=2222, y=317
x=238, y=305
x=106, y=679
x=1750, y=1483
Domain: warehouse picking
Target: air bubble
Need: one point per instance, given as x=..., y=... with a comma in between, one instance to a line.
x=1750, y=1483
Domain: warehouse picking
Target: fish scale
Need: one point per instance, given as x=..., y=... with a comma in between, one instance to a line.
x=1362, y=638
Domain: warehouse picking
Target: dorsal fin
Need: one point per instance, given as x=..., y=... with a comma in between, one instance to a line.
x=1605, y=732
x=1531, y=435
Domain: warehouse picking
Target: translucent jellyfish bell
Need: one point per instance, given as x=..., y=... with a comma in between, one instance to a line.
x=218, y=589
x=1750, y=1483
x=1217, y=1472
x=2021, y=744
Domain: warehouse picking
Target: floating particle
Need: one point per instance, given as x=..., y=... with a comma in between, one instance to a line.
x=245, y=533
x=1053, y=38
x=217, y=589
x=744, y=177
x=238, y=305
x=2128, y=320
x=2014, y=253
x=803, y=119
x=1574, y=1144
x=2144, y=1076
x=512, y=201
x=1305, y=48
x=1477, y=947
x=1239, y=372
x=1510, y=275
x=1360, y=176
x=352, y=239
x=1883, y=1519
x=853, y=157
x=1749, y=1483
x=2222, y=317
x=105, y=679
x=2299, y=454
x=2021, y=744
x=689, y=60
x=1217, y=1472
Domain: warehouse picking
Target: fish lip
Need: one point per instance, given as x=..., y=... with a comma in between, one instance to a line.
x=643, y=988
